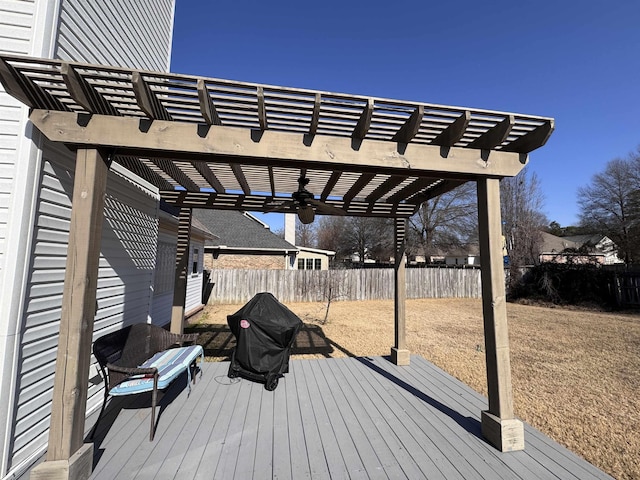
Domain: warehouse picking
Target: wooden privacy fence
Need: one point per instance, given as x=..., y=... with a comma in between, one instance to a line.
x=238, y=286
x=627, y=288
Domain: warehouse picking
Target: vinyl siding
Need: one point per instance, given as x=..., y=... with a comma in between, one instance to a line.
x=128, y=33
x=16, y=25
x=120, y=32
x=124, y=292
x=165, y=278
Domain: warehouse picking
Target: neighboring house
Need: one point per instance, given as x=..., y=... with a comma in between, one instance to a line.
x=598, y=249
x=313, y=258
x=36, y=180
x=468, y=254
x=244, y=242
x=600, y=244
x=307, y=258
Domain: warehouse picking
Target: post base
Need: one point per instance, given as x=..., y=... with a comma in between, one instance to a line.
x=505, y=435
x=78, y=467
x=400, y=356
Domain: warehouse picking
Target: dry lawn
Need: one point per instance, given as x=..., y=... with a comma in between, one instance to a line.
x=576, y=374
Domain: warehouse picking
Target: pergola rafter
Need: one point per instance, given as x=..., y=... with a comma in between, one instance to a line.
x=212, y=143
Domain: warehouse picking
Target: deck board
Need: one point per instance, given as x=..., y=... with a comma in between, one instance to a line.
x=360, y=418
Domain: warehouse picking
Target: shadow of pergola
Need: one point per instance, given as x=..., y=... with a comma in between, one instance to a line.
x=218, y=341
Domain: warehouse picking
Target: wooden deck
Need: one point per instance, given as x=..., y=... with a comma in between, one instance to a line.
x=332, y=418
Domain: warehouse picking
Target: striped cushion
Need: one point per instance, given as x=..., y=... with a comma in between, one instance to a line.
x=170, y=363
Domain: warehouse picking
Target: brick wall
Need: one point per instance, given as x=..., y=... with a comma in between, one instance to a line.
x=258, y=262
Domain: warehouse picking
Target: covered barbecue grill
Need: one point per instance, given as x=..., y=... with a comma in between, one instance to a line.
x=265, y=330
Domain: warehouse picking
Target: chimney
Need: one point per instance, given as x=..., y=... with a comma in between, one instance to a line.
x=290, y=228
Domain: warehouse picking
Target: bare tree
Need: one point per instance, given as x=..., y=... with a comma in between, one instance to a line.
x=610, y=205
x=521, y=202
x=305, y=234
x=445, y=221
x=364, y=236
x=329, y=234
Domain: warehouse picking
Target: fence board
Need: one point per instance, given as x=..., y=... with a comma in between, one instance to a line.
x=238, y=286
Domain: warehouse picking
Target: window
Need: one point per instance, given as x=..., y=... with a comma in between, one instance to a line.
x=196, y=257
x=309, y=264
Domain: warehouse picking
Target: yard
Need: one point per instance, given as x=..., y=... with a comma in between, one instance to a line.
x=576, y=374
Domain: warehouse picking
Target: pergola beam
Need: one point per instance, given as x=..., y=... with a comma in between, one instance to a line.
x=204, y=170
x=182, y=140
x=147, y=99
x=262, y=111
x=534, y=139
x=84, y=93
x=315, y=115
x=207, y=107
x=411, y=126
x=29, y=93
x=171, y=169
x=364, y=122
x=454, y=132
x=357, y=187
x=134, y=164
x=495, y=135
x=331, y=183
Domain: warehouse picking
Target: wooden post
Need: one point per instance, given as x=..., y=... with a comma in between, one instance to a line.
x=182, y=271
x=67, y=456
x=499, y=426
x=399, y=353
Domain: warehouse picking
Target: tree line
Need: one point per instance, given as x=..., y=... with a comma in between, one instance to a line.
x=609, y=205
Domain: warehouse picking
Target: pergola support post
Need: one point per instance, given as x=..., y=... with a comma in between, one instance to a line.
x=68, y=457
x=400, y=355
x=182, y=271
x=499, y=425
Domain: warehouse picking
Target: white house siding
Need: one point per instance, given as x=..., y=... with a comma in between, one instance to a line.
x=129, y=33
x=34, y=223
x=25, y=29
x=194, y=280
x=165, y=274
x=164, y=279
x=124, y=292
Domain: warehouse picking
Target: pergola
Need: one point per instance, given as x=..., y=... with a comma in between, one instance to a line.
x=212, y=143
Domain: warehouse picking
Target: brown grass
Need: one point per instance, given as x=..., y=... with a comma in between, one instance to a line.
x=576, y=374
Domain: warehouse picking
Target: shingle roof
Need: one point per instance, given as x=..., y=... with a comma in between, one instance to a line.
x=239, y=230
x=552, y=243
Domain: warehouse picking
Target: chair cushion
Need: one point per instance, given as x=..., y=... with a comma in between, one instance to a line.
x=170, y=363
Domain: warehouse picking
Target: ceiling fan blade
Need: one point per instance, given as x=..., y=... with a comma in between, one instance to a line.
x=325, y=208
x=281, y=206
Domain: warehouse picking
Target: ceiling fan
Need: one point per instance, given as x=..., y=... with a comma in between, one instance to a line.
x=305, y=204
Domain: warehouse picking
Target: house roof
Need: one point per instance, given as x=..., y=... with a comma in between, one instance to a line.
x=238, y=230
x=553, y=244
x=214, y=143
x=591, y=239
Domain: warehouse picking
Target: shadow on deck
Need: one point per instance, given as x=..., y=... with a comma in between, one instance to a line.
x=218, y=341
x=354, y=417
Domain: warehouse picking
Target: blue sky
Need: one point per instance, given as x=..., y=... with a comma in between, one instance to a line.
x=575, y=61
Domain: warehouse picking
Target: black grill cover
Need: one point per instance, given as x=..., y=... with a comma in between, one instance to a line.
x=265, y=330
